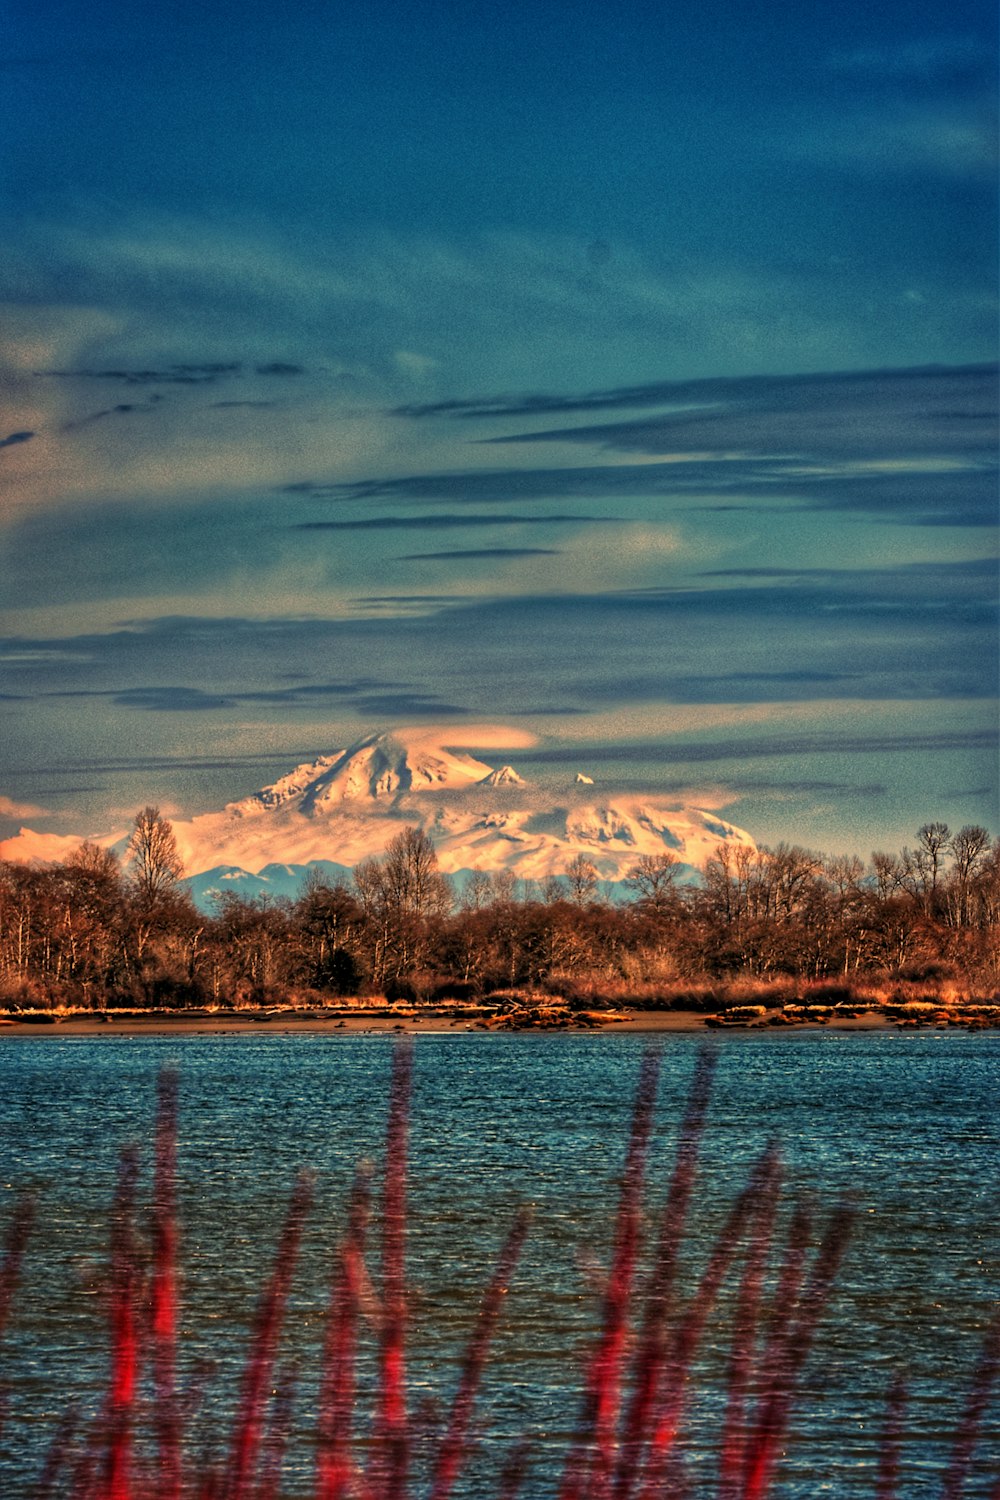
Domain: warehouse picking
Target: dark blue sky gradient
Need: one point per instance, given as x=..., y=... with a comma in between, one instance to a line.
x=624, y=376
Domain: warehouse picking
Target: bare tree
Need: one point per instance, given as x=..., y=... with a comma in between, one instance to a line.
x=581, y=878
x=970, y=850
x=400, y=894
x=653, y=879
x=154, y=861
x=888, y=874
x=926, y=862
x=412, y=880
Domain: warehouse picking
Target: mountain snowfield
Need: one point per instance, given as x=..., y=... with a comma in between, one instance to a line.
x=346, y=807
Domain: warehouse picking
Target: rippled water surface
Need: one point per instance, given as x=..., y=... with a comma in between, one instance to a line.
x=908, y=1124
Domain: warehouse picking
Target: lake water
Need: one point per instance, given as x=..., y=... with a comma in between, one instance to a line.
x=907, y=1123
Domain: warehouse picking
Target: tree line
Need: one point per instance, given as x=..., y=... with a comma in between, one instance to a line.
x=97, y=931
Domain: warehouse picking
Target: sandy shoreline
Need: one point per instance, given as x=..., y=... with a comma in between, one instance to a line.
x=159, y=1023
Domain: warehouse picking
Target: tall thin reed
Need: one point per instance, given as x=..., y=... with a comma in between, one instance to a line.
x=334, y=1464
x=590, y=1465
x=791, y=1352
x=117, y=1481
x=388, y=1472
x=15, y=1244
x=651, y=1350
x=636, y=1384
x=890, y=1447
x=453, y=1446
x=249, y=1425
x=732, y=1443
x=670, y=1395
x=975, y=1407
x=163, y=1293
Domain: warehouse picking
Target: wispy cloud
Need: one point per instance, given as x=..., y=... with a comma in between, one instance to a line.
x=479, y=552
x=447, y=522
x=188, y=310
x=916, y=445
x=955, y=140
x=11, y=809
x=121, y=409
x=886, y=414
x=362, y=696
x=194, y=374
x=946, y=58
x=767, y=747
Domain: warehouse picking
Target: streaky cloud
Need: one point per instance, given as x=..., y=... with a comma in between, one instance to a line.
x=183, y=374
x=681, y=394
x=949, y=572
x=892, y=414
x=122, y=409
x=950, y=59
x=446, y=522
x=479, y=552
x=831, y=743
x=367, y=696
x=231, y=405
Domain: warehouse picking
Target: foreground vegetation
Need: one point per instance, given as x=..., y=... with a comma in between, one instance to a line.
x=738, y=1327
x=780, y=927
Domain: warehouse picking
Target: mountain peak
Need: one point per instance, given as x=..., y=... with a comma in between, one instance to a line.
x=347, y=808
x=506, y=776
x=340, y=809
x=380, y=768
x=287, y=788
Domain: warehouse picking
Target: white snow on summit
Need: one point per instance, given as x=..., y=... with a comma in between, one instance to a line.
x=379, y=769
x=347, y=807
x=342, y=808
x=506, y=776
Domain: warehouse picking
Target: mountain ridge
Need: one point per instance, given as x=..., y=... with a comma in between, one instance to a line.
x=345, y=807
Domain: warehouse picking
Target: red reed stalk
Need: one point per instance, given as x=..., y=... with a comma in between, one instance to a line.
x=513, y=1473
x=453, y=1447
x=387, y=1475
x=786, y=1295
x=733, y=1440
x=975, y=1408
x=59, y=1454
x=670, y=1399
x=117, y=1483
x=248, y=1428
x=776, y=1402
x=649, y=1358
x=276, y=1438
x=18, y=1232
x=590, y=1464
x=163, y=1294
x=334, y=1465
x=889, y=1449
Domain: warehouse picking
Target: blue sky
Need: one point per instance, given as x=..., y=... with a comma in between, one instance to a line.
x=624, y=377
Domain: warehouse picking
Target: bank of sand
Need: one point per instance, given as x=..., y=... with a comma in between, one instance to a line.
x=253, y=1023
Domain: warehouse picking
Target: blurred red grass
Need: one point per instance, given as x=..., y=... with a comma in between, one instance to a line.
x=634, y=1386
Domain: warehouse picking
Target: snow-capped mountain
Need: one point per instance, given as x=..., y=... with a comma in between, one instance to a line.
x=344, y=808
